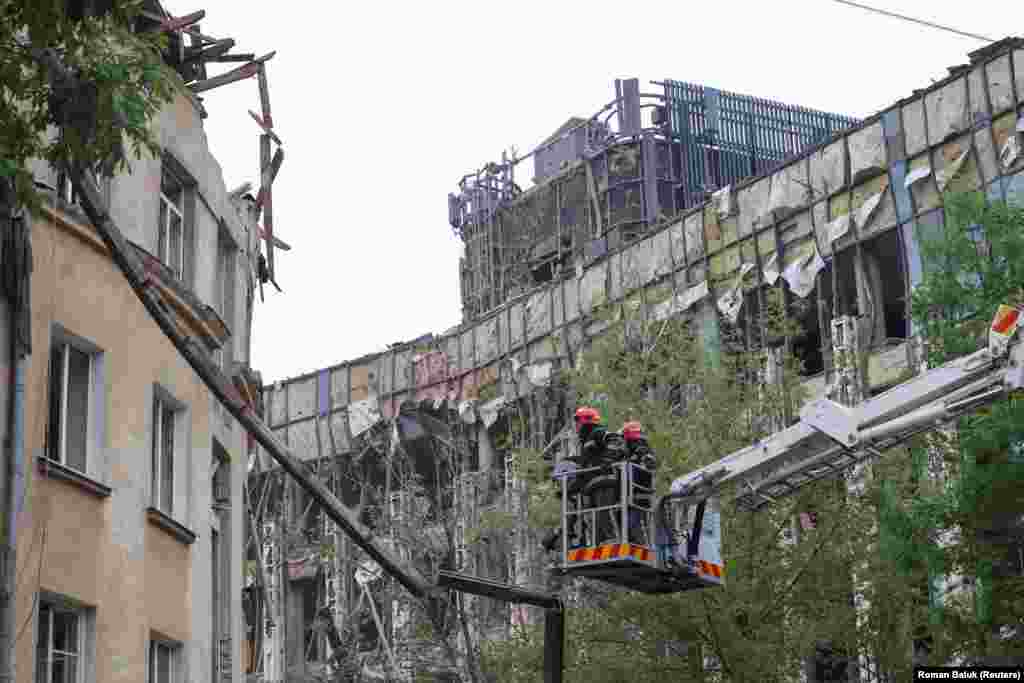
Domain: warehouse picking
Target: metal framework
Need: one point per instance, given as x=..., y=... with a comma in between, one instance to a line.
x=831, y=437
x=607, y=179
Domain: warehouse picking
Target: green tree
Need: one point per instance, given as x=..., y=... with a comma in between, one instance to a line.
x=953, y=512
x=779, y=599
x=116, y=82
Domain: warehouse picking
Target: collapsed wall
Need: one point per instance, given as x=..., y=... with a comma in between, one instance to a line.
x=839, y=224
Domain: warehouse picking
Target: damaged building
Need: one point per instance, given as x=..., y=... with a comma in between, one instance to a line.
x=687, y=206
x=130, y=510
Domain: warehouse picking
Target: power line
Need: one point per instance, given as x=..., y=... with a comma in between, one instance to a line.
x=916, y=21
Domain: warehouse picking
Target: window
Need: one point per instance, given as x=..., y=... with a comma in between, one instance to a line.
x=162, y=661
x=171, y=233
x=65, y=189
x=59, y=645
x=72, y=380
x=165, y=418
x=174, y=244
x=226, y=280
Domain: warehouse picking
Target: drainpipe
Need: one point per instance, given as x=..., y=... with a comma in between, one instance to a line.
x=15, y=476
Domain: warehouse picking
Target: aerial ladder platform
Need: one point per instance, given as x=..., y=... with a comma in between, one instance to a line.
x=674, y=544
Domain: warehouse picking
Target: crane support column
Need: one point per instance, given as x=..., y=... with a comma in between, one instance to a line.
x=554, y=617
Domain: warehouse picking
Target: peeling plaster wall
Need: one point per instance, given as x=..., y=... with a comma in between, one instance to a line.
x=861, y=174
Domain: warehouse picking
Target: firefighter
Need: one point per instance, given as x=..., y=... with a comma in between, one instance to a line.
x=640, y=454
x=600, y=448
x=591, y=433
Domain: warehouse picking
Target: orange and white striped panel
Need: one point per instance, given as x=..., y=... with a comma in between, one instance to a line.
x=712, y=571
x=613, y=551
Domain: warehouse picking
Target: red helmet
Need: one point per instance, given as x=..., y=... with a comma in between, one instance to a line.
x=632, y=431
x=587, y=416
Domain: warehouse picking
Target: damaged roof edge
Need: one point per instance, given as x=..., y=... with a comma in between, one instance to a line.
x=979, y=58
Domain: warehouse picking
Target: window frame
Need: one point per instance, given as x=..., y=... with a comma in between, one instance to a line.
x=52, y=607
x=163, y=404
x=169, y=207
x=57, y=437
x=178, y=191
x=172, y=648
x=66, y=189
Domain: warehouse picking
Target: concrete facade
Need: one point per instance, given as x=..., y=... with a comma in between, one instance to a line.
x=97, y=540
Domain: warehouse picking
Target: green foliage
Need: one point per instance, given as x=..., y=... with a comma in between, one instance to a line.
x=131, y=84
x=972, y=265
x=778, y=598
x=781, y=599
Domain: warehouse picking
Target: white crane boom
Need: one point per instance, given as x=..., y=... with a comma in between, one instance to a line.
x=830, y=437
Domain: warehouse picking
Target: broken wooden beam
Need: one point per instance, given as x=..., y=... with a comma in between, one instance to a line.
x=265, y=127
x=265, y=97
x=178, y=23
x=267, y=206
x=241, y=57
x=247, y=71
x=269, y=175
x=209, y=51
x=283, y=246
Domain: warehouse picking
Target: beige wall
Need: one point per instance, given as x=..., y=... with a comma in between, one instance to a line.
x=102, y=551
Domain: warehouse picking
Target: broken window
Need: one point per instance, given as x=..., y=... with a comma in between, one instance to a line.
x=871, y=284
x=73, y=383
x=884, y=270
x=808, y=340
x=166, y=418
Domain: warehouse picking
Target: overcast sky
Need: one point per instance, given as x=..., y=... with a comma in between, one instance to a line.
x=383, y=106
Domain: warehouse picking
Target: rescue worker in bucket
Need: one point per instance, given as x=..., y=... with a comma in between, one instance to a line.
x=587, y=422
x=602, y=489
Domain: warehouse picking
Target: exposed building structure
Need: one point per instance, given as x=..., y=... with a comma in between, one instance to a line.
x=604, y=181
x=838, y=221
x=130, y=508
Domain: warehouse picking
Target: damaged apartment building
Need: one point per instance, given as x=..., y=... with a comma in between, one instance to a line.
x=129, y=525
x=687, y=202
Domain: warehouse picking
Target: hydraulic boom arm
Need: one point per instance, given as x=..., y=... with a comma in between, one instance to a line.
x=831, y=437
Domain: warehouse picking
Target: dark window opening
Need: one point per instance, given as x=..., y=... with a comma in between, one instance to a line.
x=845, y=302
x=883, y=265
x=807, y=342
